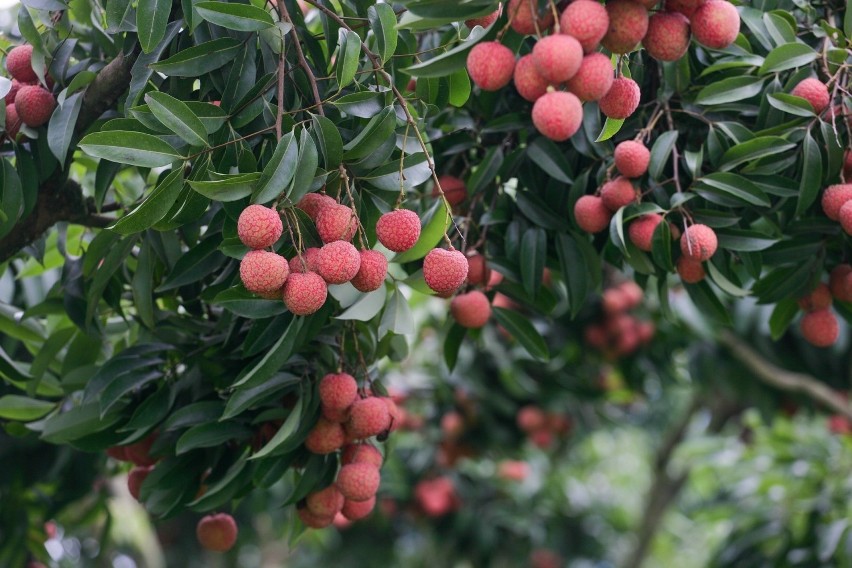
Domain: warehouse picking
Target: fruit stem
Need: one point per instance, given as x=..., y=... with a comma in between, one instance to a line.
x=298, y=246
x=360, y=229
x=556, y=28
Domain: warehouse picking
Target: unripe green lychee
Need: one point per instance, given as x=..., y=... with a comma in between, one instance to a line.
x=358, y=481
x=398, y=230
x=259, y=227
x=819, y=299
x=814, y=91
x=526, y=16
x=529, y=83
x=632, y=158
x=325, y=502
x=485, y=21
x=471, y=310
x=557, y=57
x=372, y=271
x=668, y=36
x=840, y=282
x=618, y=193
x=685, y=7
x=263, y=272
x=490, y=65
x=305, y=293
x=622, y=99
x=454, y=189
x=594, y=79
x=338, y=262
x=217, y=532
x=367, y=417
x=591, y=214
x=715, y=24
x=338, y=390
x=313, y=203
x=834, y=197
x=34, y=105
x=444, y=270
x=641, y=230
x=336, y=223
x=325, y=437
x=558, y=115
x=355, y=510
x=586, y=20
x=19, y=64
x=820, y=328
x=628, y=23
x=698, y=242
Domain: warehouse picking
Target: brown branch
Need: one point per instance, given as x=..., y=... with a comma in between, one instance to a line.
x=102, y=93
x=303, y=63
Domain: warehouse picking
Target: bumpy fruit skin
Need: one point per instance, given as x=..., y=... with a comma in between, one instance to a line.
x=715, y=24
x=820, y=328
x=372, y=272
x=668, y=36
x=834, y=197
x=305, y=293
x=840, y=282
x=814, y=91
x=259, y=227
x=135, y=479
x=19, y=64
x=699, y=242
x=477, y=269
x=325, y=502
x=471, y=310
x=641, y=231
x=35, y=105
x=313, y=203
x=594, y=79
x=338, y=262
x=367, y=417
x=846, y=217
x=355, y=510
x=632, y=158
x=690, y=271
x=591, y=214
x=325, y=437
x=336, y=223
x=490, y=65
x=557, y=57
x=217, y=532
x=819, y=299
x=361, y=453
x=13, y=121
x=523, y=19
x=313, y=521
x=618, y=193
x=444, y=270
x=558, y=115
x=529, y=83
x=685, y=7
x=628, y=23
x=308, y=262
x=358, y=481
x=338, y=390
x=485, y=21
x=398, y=230
x=622, y=100
x=13, y=91
x=397, y=415
x=263, y=272
x=454, y=189
x=586, y=20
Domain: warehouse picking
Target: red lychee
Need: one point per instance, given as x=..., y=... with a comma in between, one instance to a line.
x=19, y=64
x=591, y=214
x=217, y=532
x=305, y=293
x=632, y=158
x=558, y=115
x=698, y=242
x=336, y=223
x=34, y=105
x=436, y=497
x=840, y=282
x=358, y=481
x=308, y=262
x=526, y=18
x=846, y=217
x=313, y=521
x=834, y=197
x=715, y=24
x=485, y=21
x=325, y=502
x=397, y=415
x=628, y=23
x=471, y=310
x=361, y=453
x=617, y=193
x=140, y=452
x=477, y=269
x=13, y=121
x=530, y=418
x=398, y=230
x=372, y=271
x=355, y=510
x=814, y=91
x=444, y=270
x=641, y=231
x=690, y=271
x=685, y=7
x=490, y=65
x=367, y=417
x=13, y=91
x=594, y=79
x=622, y=99
x=135, y=479
x=545, y=558
x=586, y=20
x=557, y=57
x=513, y=470
x=454, y=189
x=263, y=272
x=529, y=83
x=325, y=437
x=338, y=390
x=818, y=299
x=820, y=328
x=339, y=416
x=259, y=227
x=338, y=262
x=668, y=36
x=313, y=203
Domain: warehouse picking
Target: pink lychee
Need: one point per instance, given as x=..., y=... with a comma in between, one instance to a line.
x=263, y=272
x=632, y=158
x=338, y=262
x=338, y=390
x=444, y=270
x=336, y=223
x=259, y=227
x=471, y=310
x=667, y=38
x=622, y=99
x=715, y=24
x=586, y=20
x=490, y=65
x=372, y=271
x=398, y=230
x=618, y=193
x=814, y=91
x=305, y=293
x=358, y=481
x=698, y=242
x=628, y=23
x=557, y=57
x=529, y=83
x=594, y=79
x=641, y=231
x=820, y=328
x=558, y=115
x=591, y=214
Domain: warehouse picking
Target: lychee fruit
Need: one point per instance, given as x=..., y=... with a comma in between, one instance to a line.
x=558, y=115
x=358, y=481
x=307, y=263
x=135, y=479
x=444, y=270
x=814, y=91
x=454, y=189
x=477, y=269
x=628, y=23
x=397, y=415
x=398, y=230
x=632, y=158
x=325, y=502
x=594, y=78
x=618, y=193
x=13, y=91
x=313, y=521
x=685, y=7
x=305, y=293
x=263, y=272
x=372, y=271
x=591, y=214
x=490, y=65
x=325, y=437
x=529, y=83
x=557, y=57
x=332, y=415
x=336, y=223
x=820, y=328
x=819, y=299
x=367, y=417
x=846, y=217
x=471, y=310
x=530, y=418
x=715, y=24
x=338, y=390
x=217, y=532
x=13, y=121
x=361, y=453
x=586, y=20
x=313, y=203
x=259, y=227
x=34, y=104
x=140, y=452
x=622, y=99
x=338, y=262
x=19, y=64
x=668, y=36
x=485, y=21
x=641, y=231
x=355, y=510
x=690, y=271
x=840, y=282
x=513, y=470
x=698, y=242
x=525, y=18
x=834, y=197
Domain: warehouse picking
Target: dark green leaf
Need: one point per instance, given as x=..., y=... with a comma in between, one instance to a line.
x=133, y=148
x=155, y=206
x=521, y=329
x=240, y=17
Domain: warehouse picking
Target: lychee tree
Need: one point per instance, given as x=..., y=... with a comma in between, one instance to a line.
x=213, y=211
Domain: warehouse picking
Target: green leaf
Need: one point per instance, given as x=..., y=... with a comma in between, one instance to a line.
x=365, y=104
x=397, y=317
x=240, y=17
x=228, y=187
x=124, y=384
x=329, y=140
x=437, y=222
x=847, y=20
x=791, y=104
x=366, y=307
x=22, y=408
x=415, y=170
x=373, y=135
x=460, y=88
x=113, y=260
x=306, y=167
x=244, y=398
x=348, y=57
x=132, y=148
x=11, y=198
x=782, y=316
x=708, y=303
x=731, y=90
x=177, y=117
x=449, y=62
x=753, y=149
x=287, y=430
x=200, y=261
x=151, y=19
x=811, y=177
x=661, y=246
x=547, y=155
x=452, y=345
x=533, y=255
x=611, y=127
x=383, y=23
x=75, y=423
x=660, y=152
x=60, y=129
x=581, y=268
x=734, y=186
x=521, y=329
x=279, y=171
x=210, y=435
x=199, y=59
x=247, y=305
x=275, y=358
x=155, y=206
x=787, y=56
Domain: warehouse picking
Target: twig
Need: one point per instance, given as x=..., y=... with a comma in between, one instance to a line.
x=285, y=16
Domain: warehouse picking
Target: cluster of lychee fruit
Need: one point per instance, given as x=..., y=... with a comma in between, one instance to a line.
x=837, y=205
x=618, y=333
x=542, y=428
x=565, y=67
x=472, y=309
x=27, y=102
x=819, y=325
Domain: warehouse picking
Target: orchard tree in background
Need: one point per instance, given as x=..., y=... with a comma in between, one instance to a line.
x=215, y=216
